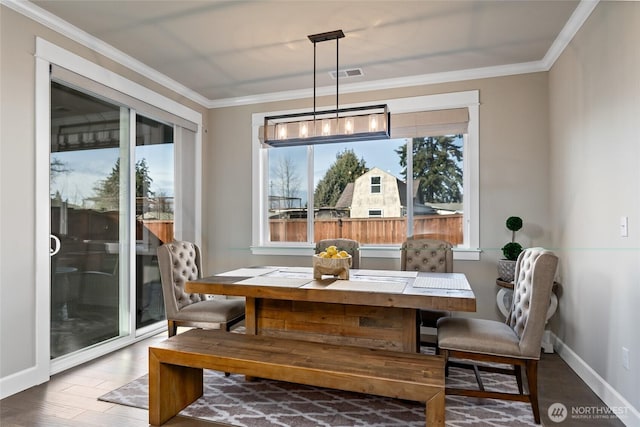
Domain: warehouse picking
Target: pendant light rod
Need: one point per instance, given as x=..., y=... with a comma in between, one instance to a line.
x=319, y=38
x=364, y=123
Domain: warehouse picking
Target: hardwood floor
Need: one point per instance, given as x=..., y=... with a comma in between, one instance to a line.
x=69, y=399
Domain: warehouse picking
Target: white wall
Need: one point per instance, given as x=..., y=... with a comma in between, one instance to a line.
x=595, y=180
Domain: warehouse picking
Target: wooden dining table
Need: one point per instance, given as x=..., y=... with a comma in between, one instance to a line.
x=373, y=308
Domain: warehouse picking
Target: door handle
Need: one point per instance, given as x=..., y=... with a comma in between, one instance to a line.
x=56, y=245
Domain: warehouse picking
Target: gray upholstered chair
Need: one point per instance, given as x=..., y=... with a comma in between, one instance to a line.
x=430, y=255
x=180, y=262
x=352, y=247
x=516, y=342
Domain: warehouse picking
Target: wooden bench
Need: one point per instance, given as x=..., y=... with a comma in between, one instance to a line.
x=175, y=369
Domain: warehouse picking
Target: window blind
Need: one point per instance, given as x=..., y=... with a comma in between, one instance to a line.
x=82, y=83
x=430, y=123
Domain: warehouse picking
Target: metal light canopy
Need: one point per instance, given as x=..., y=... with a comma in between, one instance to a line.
x=327, y=126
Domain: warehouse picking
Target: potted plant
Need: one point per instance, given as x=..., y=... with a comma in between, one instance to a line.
x=506, y=266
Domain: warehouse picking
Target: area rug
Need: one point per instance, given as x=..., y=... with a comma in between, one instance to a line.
x=266, y=403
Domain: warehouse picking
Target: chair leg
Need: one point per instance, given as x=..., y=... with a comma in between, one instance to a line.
x=444, y=353
x=517, y=369
x=476, y=371
x=532, y=382
x=172, y=328
x=418, y=323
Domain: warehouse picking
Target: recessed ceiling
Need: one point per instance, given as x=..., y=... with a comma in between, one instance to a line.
x=233, y=49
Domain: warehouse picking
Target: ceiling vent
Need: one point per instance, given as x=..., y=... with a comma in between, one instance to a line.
x=351, y=72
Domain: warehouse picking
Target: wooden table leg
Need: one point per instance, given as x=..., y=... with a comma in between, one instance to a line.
x=435, y=410
x=250, y=316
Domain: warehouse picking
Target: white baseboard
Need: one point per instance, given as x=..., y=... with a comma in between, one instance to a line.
x=629, y=415
x=22, y=380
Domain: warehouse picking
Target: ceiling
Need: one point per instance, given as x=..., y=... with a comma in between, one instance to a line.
x=234, y=50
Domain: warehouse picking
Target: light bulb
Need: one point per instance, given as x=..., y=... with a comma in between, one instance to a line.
x=348, y=126
x=282, y=131
x=373, y=123
x=326, y=127
x=304, y=130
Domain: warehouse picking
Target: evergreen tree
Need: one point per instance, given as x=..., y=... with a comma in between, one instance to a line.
x=107, y=191
x=437, y=164
x=344, y=170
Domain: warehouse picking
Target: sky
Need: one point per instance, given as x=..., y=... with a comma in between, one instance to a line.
x=88, y=167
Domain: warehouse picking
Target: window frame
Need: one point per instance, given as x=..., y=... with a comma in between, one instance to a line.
x=378, y=186
x=46, y=55
x=469, y=250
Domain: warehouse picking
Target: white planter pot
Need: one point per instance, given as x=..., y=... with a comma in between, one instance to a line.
x=506, y=269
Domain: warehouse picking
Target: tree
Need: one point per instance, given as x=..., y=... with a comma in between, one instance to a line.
x=107, y=191
x=436, y=163
x=344, y=170
x=286, y=182
x=57, y=167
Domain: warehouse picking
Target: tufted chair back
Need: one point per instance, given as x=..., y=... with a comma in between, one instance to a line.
x=352, y=247
x=534, y=274
x=427, y=255
x=179, y=262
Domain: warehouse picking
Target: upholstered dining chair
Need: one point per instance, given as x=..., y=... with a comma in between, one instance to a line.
x=352, y=247
x=180, y=262
x=430, y=255
x=515, y=342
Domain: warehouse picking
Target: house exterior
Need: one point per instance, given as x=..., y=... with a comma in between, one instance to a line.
x=379, y=194
x=376, y=194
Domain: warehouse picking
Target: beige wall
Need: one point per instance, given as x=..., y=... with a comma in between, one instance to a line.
x=570, y=191
x=595, y=168
x=514, y=152
x=17, y=180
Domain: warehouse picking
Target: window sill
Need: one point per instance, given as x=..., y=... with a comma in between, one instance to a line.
x=387, y=251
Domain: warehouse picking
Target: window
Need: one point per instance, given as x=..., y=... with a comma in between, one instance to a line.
x=376, y=192
x=375, y=184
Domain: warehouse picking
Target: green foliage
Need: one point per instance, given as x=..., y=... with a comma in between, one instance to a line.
x=344, y=170
x=436, y=163
x=512, y=249
x=514, y=223
x=107, y=191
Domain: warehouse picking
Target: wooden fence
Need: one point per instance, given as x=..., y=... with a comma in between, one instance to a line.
x=369, y=230
x=162, y=229
x=364, y=230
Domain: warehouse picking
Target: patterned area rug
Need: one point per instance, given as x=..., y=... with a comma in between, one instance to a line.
x=266, y=403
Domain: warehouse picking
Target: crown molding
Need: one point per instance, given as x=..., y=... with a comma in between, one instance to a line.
x=74, y=33
x=420, y=80
x=575, y=22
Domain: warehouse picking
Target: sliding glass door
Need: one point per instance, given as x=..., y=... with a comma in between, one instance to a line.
x=88, y=203
x=111, y=206
x=154, y=213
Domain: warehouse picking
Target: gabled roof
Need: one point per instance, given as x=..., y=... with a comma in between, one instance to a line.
x=346, y=197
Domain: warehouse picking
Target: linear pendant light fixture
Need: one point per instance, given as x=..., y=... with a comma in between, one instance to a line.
x=327, y=126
